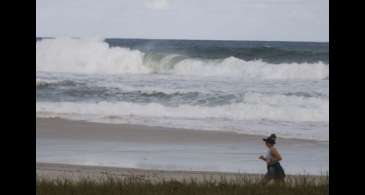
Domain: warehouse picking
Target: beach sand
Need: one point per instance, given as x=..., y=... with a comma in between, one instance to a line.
x=92, y=147
x=51, y=171
x=54, y=171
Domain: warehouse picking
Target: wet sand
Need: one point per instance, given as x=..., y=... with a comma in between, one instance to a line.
x=157, y=148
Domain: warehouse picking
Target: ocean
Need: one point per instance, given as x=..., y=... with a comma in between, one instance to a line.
x=248, y=87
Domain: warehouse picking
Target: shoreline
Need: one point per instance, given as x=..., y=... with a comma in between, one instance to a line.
x=142, y=128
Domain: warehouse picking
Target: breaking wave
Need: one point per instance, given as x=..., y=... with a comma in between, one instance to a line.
x=90, y=56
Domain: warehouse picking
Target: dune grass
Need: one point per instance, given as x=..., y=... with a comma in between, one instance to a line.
x=241, y=185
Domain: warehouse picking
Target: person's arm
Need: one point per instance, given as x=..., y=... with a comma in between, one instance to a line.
x=268, y=161
x=262, y=158
x=275, y=154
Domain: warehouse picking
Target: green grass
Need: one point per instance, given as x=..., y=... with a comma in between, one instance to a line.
x=240, y=185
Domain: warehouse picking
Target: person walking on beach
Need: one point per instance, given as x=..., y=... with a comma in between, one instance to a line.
x=274, y=170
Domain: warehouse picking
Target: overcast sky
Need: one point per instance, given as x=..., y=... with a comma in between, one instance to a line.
x=279, y=20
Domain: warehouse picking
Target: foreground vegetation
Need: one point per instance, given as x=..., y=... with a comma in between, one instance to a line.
x=242, y=185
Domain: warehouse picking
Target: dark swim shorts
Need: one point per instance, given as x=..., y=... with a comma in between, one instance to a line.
x=275, y=171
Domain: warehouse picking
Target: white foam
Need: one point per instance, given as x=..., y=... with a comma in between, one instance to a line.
x=257, y=114
x=256, y=69
x=87, y=56
x=43, y=82
x=90, y=56
x=253, y=107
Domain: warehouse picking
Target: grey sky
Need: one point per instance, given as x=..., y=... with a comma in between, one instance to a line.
x=285, y=20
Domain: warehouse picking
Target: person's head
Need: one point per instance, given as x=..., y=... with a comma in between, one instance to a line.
x=270, y=141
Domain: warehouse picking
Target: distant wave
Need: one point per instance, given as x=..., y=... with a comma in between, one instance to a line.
x=88, y=56
x=48, y=83
x=253, y=107
x=89, y=90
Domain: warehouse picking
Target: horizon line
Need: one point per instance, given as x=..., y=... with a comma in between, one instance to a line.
x=163, y=39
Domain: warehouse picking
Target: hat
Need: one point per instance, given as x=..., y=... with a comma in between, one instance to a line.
x=271, y=139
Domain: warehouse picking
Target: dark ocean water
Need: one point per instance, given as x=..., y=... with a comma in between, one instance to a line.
x=268, y=51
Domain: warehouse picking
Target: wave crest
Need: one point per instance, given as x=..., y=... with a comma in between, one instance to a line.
x=88, y=56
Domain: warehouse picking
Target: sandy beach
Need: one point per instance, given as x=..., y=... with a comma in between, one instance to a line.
x=154, y=148
x=75, y=172
x=54, y=171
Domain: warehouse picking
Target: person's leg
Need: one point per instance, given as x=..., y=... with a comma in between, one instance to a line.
x=279, y=174
x=269, y=176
